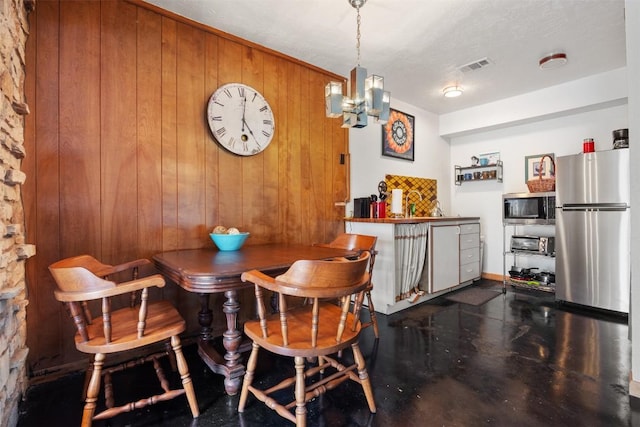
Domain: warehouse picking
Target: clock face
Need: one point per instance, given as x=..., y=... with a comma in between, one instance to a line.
x=240, y=119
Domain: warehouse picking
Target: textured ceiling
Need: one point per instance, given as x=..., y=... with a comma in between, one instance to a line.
x=420, y=45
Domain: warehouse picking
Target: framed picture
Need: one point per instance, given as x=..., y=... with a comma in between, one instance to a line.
x=398, y=136
x=535, y=166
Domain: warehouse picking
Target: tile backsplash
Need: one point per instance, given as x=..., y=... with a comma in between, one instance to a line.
x=428, y=188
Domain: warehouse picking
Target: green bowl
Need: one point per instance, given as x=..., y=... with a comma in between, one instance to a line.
x=229, y=242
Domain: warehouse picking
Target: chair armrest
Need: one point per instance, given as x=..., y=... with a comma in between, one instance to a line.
x=119, y=289
x=260, y=279
x=111, y=269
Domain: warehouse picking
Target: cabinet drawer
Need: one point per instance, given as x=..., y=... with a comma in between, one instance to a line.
x=469, y=241
x=469, y=271
x=469, y=255
x=470, y=228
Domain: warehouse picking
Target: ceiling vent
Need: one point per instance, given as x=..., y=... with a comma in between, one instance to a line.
x=475, y=65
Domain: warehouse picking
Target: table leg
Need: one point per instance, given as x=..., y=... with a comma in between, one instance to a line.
x=232, y=338
x=230, y=365
x=205, y=317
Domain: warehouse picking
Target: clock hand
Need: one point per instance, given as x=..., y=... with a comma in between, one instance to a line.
x=244, y=123
x=244, y=107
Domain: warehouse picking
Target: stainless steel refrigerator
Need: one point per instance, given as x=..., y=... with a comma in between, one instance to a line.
x=592, y=229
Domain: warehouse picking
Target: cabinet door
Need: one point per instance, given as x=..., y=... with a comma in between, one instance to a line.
x=445, y=257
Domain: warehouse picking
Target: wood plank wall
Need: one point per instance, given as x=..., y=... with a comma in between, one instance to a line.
x=121, y=163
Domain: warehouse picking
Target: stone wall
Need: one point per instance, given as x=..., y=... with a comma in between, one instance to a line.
x=14, y=30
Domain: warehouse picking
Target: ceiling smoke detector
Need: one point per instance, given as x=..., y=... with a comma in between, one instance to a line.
x=553, y=60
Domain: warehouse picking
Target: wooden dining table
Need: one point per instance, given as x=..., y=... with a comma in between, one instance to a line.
x=208, y=271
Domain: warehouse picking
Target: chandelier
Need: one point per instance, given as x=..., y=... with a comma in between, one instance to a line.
x=366, y=96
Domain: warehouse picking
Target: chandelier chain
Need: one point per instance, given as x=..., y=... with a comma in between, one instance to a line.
x=358, y=35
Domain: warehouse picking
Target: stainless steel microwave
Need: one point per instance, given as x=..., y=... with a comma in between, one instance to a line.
x=529, y=208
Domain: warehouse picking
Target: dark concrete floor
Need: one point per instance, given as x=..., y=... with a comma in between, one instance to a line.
x=518, y=360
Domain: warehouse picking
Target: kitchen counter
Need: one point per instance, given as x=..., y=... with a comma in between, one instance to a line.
x=414, y=220
x=435, y=255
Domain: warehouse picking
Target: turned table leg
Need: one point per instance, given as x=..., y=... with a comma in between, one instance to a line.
x=232, y=338
x=228, y=365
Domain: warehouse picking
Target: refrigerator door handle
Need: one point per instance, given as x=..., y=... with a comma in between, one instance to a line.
x=607, y=207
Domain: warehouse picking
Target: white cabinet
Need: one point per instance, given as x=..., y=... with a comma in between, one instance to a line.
x=469, y=252
x=444, y=257
x=452, y=258
x=454, y=255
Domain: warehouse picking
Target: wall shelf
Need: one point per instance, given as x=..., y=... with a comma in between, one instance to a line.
x=492, y=172
x=514, y=255
x=532, y=284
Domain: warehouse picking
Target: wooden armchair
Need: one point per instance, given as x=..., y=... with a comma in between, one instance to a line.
x=309, y=331
x=82, y=279
x=360, y=242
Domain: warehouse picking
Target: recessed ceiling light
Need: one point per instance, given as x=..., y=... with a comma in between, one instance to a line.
x=452, y=91
x=553, y=60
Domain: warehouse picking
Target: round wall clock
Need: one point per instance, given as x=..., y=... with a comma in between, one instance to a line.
x=240, y=119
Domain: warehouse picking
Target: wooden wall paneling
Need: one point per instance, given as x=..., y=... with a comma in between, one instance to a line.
x=120, y=116
x=340, y=176
x=338, y=146
x=190, y=126
x=230, y=170
x=270, y=189
x=118, y=167
x=169, y=136
x=79, y=155
x=307, y=164
x=318, y=154
x=336, y=142
x=283, y=106
x=149, y=133
x=212, y=186
x=302, y=162
x=291, y=176
x=41, y=191
x=28, y=189
x=328, y=125
x=253, y=166
x=79, y=121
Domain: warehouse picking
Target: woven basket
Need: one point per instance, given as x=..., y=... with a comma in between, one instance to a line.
x=541, y=185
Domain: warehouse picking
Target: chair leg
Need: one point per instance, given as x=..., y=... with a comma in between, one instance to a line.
x=372, y=314
x=364, y=376
x=92, y=390
x=248, y=376
x=357, y=304
x=183, y=369
x=301, y=409
x=172, y=356
x=87, y=378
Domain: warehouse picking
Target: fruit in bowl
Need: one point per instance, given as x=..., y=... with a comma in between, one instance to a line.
x=228, y=239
